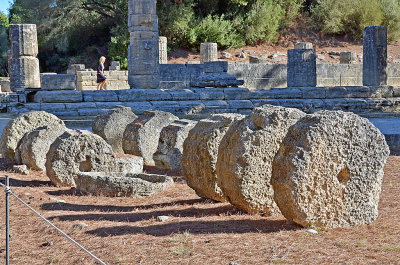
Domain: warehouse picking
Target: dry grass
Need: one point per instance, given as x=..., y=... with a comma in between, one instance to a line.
x=126, y=231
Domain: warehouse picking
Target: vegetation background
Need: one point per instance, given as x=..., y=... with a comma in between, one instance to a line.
x=79, y=31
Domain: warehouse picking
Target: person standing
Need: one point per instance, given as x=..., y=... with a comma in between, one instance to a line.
x=101, y=78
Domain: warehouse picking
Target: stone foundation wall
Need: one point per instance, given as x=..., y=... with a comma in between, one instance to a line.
x=116, y=80
x=358, y=99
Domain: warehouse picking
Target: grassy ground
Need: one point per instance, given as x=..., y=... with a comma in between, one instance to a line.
x=126, y=231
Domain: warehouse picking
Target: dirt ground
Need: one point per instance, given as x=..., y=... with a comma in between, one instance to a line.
x=126, y=230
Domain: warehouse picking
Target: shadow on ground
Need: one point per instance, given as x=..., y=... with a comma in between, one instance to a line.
x=200, y=227
x=110, y=208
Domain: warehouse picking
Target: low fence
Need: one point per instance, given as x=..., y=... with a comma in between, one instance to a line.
x=9, y=192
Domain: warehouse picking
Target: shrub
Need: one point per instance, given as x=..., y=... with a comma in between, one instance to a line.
x=261, y=22
x=343, y=16
x=391, y=18
x=217, y=29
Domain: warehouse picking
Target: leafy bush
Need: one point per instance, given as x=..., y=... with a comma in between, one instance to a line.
x=343, y=16
x=261, y=22
x=219, y=30
x=391, y=18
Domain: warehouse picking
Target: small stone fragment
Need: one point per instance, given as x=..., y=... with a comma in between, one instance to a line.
x=312, y=231
x=129, y=164
x=122, y=185
x=21, y=169
x=162, y=218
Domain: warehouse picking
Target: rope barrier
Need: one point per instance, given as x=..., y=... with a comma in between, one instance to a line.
x=9, y=191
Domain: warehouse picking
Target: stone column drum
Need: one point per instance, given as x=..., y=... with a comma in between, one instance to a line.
x=163, y=52
x=208, y=52
x=374, y=56
x=302, y=66
x=24, y=66
x=143, y=54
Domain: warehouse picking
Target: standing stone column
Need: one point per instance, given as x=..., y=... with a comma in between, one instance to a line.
x=143, y=54
x=24, y=66
x=302, y=66
x=208, y=52
x=162, y=46
x=374, y=56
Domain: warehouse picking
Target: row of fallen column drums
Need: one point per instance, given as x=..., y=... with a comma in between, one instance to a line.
x=322, y=169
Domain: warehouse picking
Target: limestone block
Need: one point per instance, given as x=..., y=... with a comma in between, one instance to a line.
x=374, y=56
x=23, y=40
x=245, y=157
x=142, y=7
x=144, y=81
x=73, y=68
x=328, y=171
x=59, y=82
x=122, y=185
x=18, y=127
x=170, y=145
x=35, y=145
x=216, y=67
x=301, y=68
x=200, y=152
x=208, y=52
x=78, y=151
x=216, y=80
x=111, y=126
x=141, y=136
x=303, y=45
x=24, y=73
x=129, y=164
x=142, y=35
x=163, y=52
x=5, y=84
x=348, y=57
x=142, y=20
x=60, y=96
x=115, y=66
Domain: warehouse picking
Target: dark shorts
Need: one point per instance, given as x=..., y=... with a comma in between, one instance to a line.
x=100, y=78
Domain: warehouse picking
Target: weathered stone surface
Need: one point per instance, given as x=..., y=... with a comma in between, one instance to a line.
x=79, y=151
x=163, y=51
x=208, y=52
x=141, y=136
x=301, y=68
x=59, y=82
x=129, y=164
x=5, y=84
x=17, y=128
x=35, y=145
x=23, y=40
x=245, y=157
x=328, y=171
x=122, y=185
x=348, y=57
x=170, y=145
x=216, y=80
x=200, y=152
x=111, y=126
x=303, y=45
x=374, y=56
x=21, y=169
x=24, y=73
x=58, y=96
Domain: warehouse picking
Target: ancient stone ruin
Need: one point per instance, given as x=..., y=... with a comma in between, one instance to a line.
x=328, y=171
x=200, y=153
x=245, y=156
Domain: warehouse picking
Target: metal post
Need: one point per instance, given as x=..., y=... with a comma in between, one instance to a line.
x=7, y=190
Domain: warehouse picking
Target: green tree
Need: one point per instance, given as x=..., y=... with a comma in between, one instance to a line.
x=4, y=44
